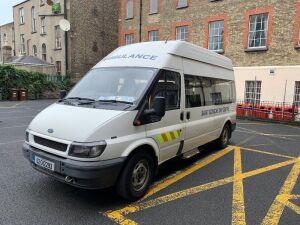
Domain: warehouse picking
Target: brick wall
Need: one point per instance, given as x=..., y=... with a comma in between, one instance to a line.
x=283, y=24
x=93, y=35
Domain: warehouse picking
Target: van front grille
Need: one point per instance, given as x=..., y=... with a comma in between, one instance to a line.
x=51, y=144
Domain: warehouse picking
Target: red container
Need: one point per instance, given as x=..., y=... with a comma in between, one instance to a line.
x=240, y=110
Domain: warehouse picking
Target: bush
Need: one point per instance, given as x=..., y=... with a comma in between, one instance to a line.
x=35, y=83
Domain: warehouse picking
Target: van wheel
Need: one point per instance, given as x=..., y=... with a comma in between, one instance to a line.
x=136, y=177
x=223, y=140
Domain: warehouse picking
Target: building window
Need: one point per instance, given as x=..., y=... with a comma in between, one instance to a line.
x=22, y=39
x=182, y=33
x=129, y=39
x=299, y=39
x=43, y=25
x=44, y=52
x=57, y=37
x=34, y=50
x=153, y=35
x=42, y=2
x=182, y=3
x=21, y=14
x=58, y=67
x=253, y=92
x=153, y=6
x=129, y=10
x=33, y=20
x=4, y=39
x=216, y=32
x=258, y=31
x=297, y=94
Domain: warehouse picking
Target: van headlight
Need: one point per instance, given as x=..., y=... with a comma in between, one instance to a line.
x=87, y=150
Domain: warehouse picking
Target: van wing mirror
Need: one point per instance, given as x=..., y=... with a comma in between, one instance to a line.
x=159, y=107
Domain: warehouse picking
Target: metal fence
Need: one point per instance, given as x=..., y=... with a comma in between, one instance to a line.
x=276, y=111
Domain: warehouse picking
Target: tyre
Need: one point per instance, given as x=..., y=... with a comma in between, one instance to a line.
x=223, y=140
x=136, y=176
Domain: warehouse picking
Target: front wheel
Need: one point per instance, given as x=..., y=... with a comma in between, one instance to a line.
x=136, y=176
x=223, y=140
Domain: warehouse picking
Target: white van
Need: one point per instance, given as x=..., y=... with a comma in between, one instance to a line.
x=141, y=105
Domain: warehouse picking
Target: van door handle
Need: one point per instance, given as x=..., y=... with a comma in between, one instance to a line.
x=182, y=116
x=188, y=115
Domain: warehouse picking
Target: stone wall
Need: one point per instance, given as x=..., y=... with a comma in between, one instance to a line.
x=93, y=33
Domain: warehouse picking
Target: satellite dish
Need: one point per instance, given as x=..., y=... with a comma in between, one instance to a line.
x=64, y=25
x=50, y=2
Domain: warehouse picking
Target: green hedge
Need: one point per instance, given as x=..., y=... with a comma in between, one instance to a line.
x=35, y=83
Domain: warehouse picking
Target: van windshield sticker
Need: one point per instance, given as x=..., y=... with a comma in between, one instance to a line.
x=132, y=56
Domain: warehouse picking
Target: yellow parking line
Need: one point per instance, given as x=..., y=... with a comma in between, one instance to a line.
x=267, y=153
x=119, y=215
x=274, y=214
x=293, y=207
x=172, y=180
x=238, y=203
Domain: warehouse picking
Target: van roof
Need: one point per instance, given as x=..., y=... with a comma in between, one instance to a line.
x=160, y=54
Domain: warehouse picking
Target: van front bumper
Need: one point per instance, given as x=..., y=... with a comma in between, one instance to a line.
x=87, y=175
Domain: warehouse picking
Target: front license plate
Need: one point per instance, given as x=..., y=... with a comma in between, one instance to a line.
x=43, y=163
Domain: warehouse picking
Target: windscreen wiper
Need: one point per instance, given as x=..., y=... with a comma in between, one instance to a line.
x=81, y=99
x=115, y=101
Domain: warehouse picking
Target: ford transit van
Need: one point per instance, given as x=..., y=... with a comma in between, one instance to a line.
x=140, y=106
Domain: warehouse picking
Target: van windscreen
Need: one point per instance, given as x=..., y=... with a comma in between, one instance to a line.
x=113, y=84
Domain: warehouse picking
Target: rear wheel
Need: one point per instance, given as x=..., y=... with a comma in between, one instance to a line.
x=136, y=176
x=223, y=140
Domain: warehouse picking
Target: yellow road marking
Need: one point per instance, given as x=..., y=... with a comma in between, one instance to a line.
x=177, y=177
x=274, y=214
x=267, y=153
x=118, y=215
x=293, y=207
x=238, y=203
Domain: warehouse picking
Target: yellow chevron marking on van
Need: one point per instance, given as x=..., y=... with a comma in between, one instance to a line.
x=168, y=136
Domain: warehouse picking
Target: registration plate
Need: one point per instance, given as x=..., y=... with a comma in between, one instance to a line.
x=43, y=163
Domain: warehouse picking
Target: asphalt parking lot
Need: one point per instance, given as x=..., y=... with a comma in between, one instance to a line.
x=253, y=181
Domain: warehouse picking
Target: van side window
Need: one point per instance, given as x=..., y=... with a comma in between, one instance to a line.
x=193, y=91
x=168, y=86
x=204, y=91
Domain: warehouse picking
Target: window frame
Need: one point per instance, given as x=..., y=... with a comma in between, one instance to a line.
x=131, y=16
x=253, y=99
x=22, y=44
x=22, y=16
x=156, y=36
x=255, y=31
x=58, y=37
x=34, y=50
x=270, y=11
x=43, y=25
x=181, y=24
x=129, y=35
x=44, y=52
x=58, y=66
x=182, y=6
x=222, y=35
x=154, y=85
x=33, y=20
x=297, y=94
x=150, y=2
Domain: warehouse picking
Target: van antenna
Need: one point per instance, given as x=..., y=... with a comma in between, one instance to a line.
x=166, y=41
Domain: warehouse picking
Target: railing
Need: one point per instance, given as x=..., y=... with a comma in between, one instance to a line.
x=276, y=111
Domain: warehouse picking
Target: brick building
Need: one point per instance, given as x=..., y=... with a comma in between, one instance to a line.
x=37, y=32
x=261, y=38
x=92, y=36
x=7, y=42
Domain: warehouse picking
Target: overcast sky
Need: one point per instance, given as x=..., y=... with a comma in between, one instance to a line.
x=6, y=13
